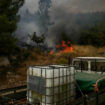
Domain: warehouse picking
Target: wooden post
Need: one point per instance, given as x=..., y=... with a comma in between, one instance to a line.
x=97, y=98
x=69, y=60
x=89, y=65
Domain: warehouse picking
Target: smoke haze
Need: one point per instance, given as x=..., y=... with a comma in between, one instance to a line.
x=79, y=6
x=57, y=16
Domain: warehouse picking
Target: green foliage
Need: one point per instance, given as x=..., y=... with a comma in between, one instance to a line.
x=8, y=21
x=17, y=60
x=7, y=44
x=94, y=36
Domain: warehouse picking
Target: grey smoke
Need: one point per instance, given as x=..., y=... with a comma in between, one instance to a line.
x=82, y=6
x=58, y=16
x=34, y=18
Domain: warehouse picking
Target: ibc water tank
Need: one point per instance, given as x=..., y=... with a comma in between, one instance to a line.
x=50, y=85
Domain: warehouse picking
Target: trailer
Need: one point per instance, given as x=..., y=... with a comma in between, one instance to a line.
x=90, y=80
x=88, y=77
x=11, y=96
x=82, y=83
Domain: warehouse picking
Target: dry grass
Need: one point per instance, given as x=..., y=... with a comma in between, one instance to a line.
x=41, y=58
x=89, y=50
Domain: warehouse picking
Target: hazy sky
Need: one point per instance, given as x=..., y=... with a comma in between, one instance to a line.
x=59, y=13
x=69, y=5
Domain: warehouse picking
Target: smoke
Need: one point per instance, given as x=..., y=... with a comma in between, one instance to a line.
x=70, y=16
x=79, y=6
x=57, y=16
x=34, y=18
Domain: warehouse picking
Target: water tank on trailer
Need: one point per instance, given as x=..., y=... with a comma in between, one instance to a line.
x=50, y=85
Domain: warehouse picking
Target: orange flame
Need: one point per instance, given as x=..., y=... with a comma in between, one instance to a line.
x=65, y=47
x=51, y=52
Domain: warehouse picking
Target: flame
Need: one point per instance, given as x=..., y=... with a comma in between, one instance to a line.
x=65, y=47
x=51, y=52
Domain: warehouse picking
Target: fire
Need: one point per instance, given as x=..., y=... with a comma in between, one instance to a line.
x=65, y=47
x=51, y=52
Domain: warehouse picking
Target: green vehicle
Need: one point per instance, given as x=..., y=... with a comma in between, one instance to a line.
x=90, y=78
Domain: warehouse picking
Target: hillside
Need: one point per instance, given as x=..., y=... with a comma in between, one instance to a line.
x=37, y=57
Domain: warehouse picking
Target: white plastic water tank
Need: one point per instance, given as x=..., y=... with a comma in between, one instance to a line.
x=50, y=85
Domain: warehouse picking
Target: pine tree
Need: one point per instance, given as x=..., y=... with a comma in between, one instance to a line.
x=8, y=24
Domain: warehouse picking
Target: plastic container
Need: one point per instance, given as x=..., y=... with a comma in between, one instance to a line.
x=50, y=85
